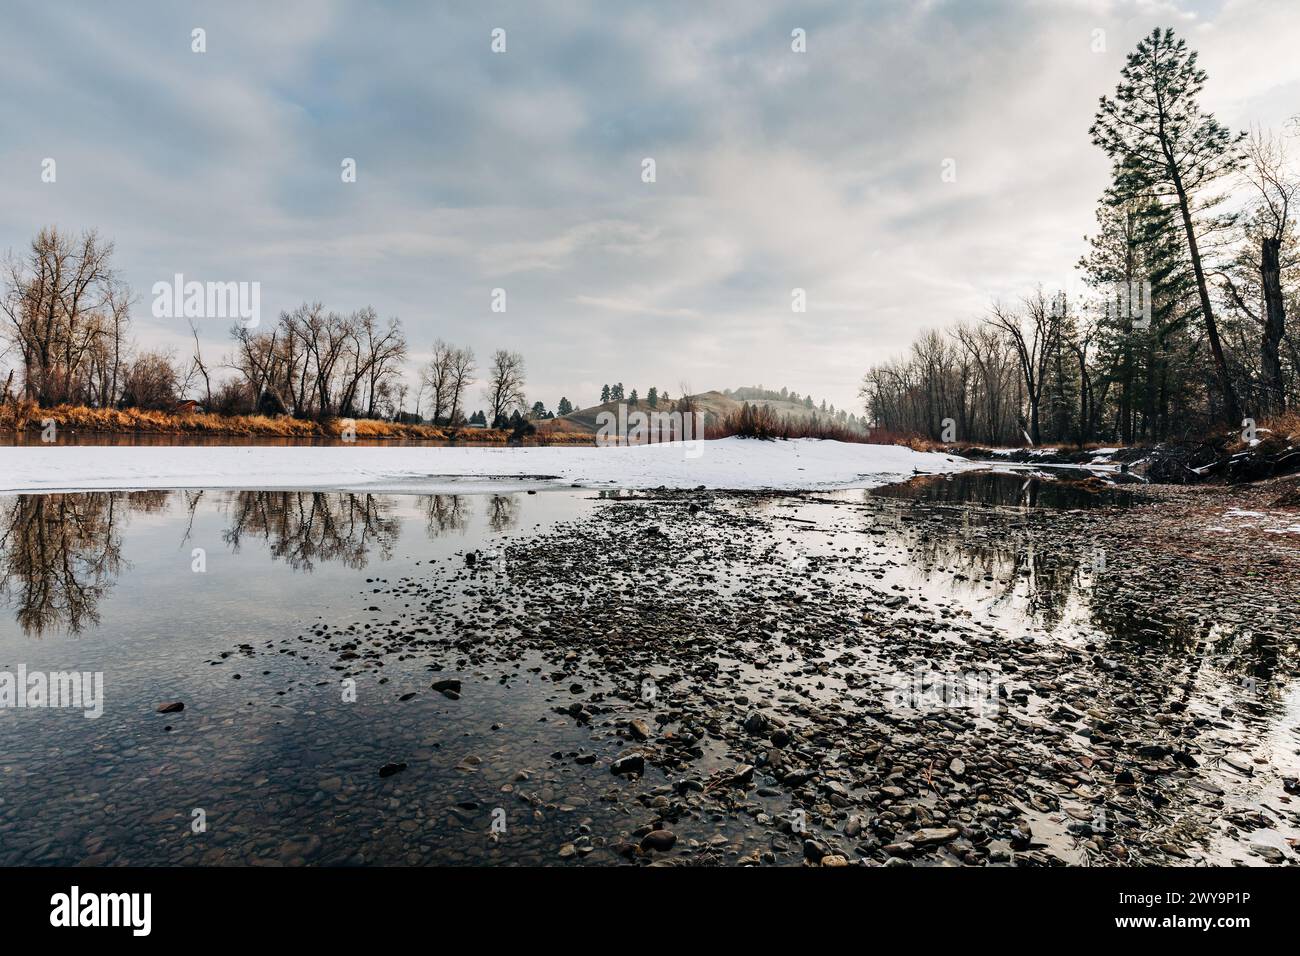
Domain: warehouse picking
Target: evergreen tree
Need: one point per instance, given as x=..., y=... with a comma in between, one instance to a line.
x=1061, y=392
x=1138, y=262
x=1163, y=145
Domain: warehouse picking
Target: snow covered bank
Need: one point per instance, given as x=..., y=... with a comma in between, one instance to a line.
x=729, y=463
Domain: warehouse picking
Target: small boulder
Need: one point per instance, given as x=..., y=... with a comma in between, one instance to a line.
x=628, y=763
x=756, y=723
x=449, y=687
x=932, y=836
x=661, y=840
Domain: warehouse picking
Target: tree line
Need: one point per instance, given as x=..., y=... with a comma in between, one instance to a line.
x=616, y=393
x=1182, y=324
x=826, y=412
x=67, y=341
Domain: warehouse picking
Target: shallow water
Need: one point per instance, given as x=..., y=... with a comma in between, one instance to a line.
x=237, y=603
x=107, y=582
x=1001, y=489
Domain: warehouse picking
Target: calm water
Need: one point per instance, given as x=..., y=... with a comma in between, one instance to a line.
x=106, y=582
x=999, y=489
x=210, y=598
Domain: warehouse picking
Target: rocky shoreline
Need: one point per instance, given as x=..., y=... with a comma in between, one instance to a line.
x=852, y=679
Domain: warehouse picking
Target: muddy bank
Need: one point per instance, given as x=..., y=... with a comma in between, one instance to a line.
x=856, y=679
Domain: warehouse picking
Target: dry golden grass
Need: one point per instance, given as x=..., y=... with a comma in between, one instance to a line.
x=26, y=416
x=554, y=427
x=1287, y=426
x=1276, y=434
x=883, y=436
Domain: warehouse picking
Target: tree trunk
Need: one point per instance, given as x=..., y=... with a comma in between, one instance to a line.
x=1270, y=271
x=1231, y=409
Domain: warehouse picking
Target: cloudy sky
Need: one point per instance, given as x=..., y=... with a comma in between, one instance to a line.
x=522, y=170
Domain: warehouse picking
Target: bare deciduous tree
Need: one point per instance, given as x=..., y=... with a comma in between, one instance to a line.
x=1034, y=336
x=66, y=313
x=1278, y=191
x=504, y=391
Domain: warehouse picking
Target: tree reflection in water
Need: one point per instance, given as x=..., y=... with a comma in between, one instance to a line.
x=444, y=513
x=303, y=527
x=503, y=512
x=1042, y=581
x=59, y=554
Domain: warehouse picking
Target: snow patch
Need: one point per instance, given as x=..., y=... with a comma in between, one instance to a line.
x=728, y=463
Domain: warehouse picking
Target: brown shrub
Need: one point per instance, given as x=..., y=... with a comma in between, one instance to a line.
x=760, y=421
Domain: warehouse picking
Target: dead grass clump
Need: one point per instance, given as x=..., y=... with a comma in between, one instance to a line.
x=1276, y=435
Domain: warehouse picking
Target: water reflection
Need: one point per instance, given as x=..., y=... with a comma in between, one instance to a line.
x=1004, y=569
x=999, y=575
x=444, y=513
x=503, y=512
x=61, y=553
x=303, y=527
x=1006, y=490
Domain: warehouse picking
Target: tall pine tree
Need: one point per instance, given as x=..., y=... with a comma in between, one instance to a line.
x=1164, y=145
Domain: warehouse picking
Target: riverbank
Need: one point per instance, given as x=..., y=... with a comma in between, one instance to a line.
x=860, y=680
x=29, y=421
x=1268, y=451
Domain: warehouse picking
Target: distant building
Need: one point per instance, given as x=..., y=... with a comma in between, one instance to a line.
x=188, y=407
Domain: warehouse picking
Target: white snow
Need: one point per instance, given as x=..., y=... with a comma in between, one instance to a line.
x=1253, y=522
x=728, y=463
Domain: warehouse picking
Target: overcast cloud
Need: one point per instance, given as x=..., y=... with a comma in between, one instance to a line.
x=522, y=170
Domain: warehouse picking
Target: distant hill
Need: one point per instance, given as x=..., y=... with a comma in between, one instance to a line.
x=714, y=404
